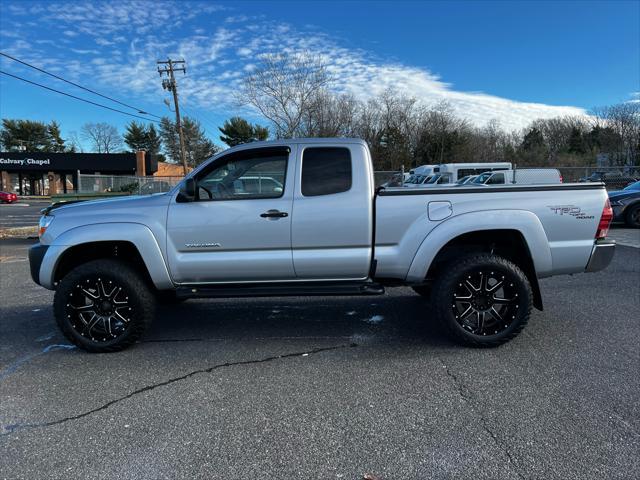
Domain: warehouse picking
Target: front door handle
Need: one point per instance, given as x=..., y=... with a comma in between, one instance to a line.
x=274, y=214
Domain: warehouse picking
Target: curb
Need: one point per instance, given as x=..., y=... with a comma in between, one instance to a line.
x=19, y=232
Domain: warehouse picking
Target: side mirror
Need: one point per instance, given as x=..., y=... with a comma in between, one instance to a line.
x=187, y=191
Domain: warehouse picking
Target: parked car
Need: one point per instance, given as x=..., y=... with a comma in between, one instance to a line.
x=459, y=170
x=397, y=180
x=236, y=184
x=476, y=252
x=8, y=197
x=523, y=176
x=438, y=179
x=467, y=179
x=416, y=180
x=626, y=205
x=612, y=180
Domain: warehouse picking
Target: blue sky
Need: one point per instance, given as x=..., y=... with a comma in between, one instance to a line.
x=511, y=61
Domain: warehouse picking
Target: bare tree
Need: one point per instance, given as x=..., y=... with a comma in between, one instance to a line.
x=73, y=140
x=330, y=115
x=623, y=120
x=441, y=134
x=284, y=88
x=104, y=138
x=557, y=133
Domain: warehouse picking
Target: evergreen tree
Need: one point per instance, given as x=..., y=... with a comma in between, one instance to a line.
x=143, y=137
x=56, y=142
x=154, y=142
x=198, y=147
x=33, y=136
x=237, y=130
x=136, y=136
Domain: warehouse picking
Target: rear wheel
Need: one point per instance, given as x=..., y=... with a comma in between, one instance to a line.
x=483, y=300
x=633, y=217
x=103, y=306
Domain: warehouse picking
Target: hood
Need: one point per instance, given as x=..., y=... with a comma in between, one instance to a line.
x=72, y=205
x=622, y=194
x=148, y=210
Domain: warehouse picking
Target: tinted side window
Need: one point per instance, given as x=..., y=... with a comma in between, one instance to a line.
x=325, y=171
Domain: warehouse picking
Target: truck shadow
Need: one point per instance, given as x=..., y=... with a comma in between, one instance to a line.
x=361, y=319
x=399, y=318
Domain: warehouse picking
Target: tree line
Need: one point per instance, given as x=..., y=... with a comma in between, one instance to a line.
x=163, y=142
x=296, y=96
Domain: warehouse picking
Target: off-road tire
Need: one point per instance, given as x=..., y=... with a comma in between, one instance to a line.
x=422, y=290
x=452, y=278
x=139, y=297
x=168, y=297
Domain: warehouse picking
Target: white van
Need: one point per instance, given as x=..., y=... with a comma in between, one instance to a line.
x=456, y=171
x=522, y=176
x=423, y=170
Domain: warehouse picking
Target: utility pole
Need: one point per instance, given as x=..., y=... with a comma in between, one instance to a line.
x=169, y=83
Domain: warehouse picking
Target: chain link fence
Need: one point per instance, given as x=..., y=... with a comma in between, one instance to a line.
x=125, y=184
x=615, y=178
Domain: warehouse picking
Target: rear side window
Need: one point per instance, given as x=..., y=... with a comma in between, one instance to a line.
x=325, y=171
x=496, y=179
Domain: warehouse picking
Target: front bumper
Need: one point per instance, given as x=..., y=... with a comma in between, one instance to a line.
x=36, y=255
x=601, y=255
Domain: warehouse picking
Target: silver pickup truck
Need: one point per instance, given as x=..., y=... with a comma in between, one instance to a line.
x=303, y=217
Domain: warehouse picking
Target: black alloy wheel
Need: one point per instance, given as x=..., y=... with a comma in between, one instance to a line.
x=99, y=309
x=103, y=305
x=486, y=302
x=483, y=300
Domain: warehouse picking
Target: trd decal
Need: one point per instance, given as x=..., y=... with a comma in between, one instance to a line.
x=572, y=210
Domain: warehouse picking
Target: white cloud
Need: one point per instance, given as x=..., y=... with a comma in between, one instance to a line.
x=219, y=48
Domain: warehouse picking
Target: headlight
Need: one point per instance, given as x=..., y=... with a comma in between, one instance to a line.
x=616, y=203
x=44, y=223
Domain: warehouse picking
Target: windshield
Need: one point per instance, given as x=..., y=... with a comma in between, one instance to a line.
x=437, y=178
x=411, y=179
x=633, y=186
x=462, y=180
x=483, y=178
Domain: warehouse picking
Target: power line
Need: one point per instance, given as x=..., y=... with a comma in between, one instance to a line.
x=139, y=110
x=78, y=98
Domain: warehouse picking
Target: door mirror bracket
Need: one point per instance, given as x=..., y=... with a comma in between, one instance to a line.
x=187, y=191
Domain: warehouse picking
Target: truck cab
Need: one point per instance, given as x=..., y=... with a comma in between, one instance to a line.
x=271, y=234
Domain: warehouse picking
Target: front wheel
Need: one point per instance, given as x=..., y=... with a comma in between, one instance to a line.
x=103, y=306
x=483, y=300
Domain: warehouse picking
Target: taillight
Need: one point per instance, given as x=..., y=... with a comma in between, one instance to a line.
x=561, y=179
x=605, y=221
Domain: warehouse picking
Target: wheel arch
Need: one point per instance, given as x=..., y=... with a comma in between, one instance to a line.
x=133, y=243
x=515, y=235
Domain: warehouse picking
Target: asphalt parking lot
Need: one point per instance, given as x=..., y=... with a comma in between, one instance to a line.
x=326, y=388
x=23, y=213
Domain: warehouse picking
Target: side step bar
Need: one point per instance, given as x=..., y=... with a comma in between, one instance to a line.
x=280, y=290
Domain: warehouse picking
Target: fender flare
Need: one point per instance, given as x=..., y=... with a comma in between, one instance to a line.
x=136, y=233
x=525, y=222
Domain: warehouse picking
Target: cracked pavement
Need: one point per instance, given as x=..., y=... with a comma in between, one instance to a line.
x=326, y=388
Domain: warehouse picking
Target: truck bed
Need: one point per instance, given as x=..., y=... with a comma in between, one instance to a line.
x=562, y=217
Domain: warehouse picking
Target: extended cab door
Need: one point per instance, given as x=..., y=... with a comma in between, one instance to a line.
x=239, y=227
x=333, y=212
